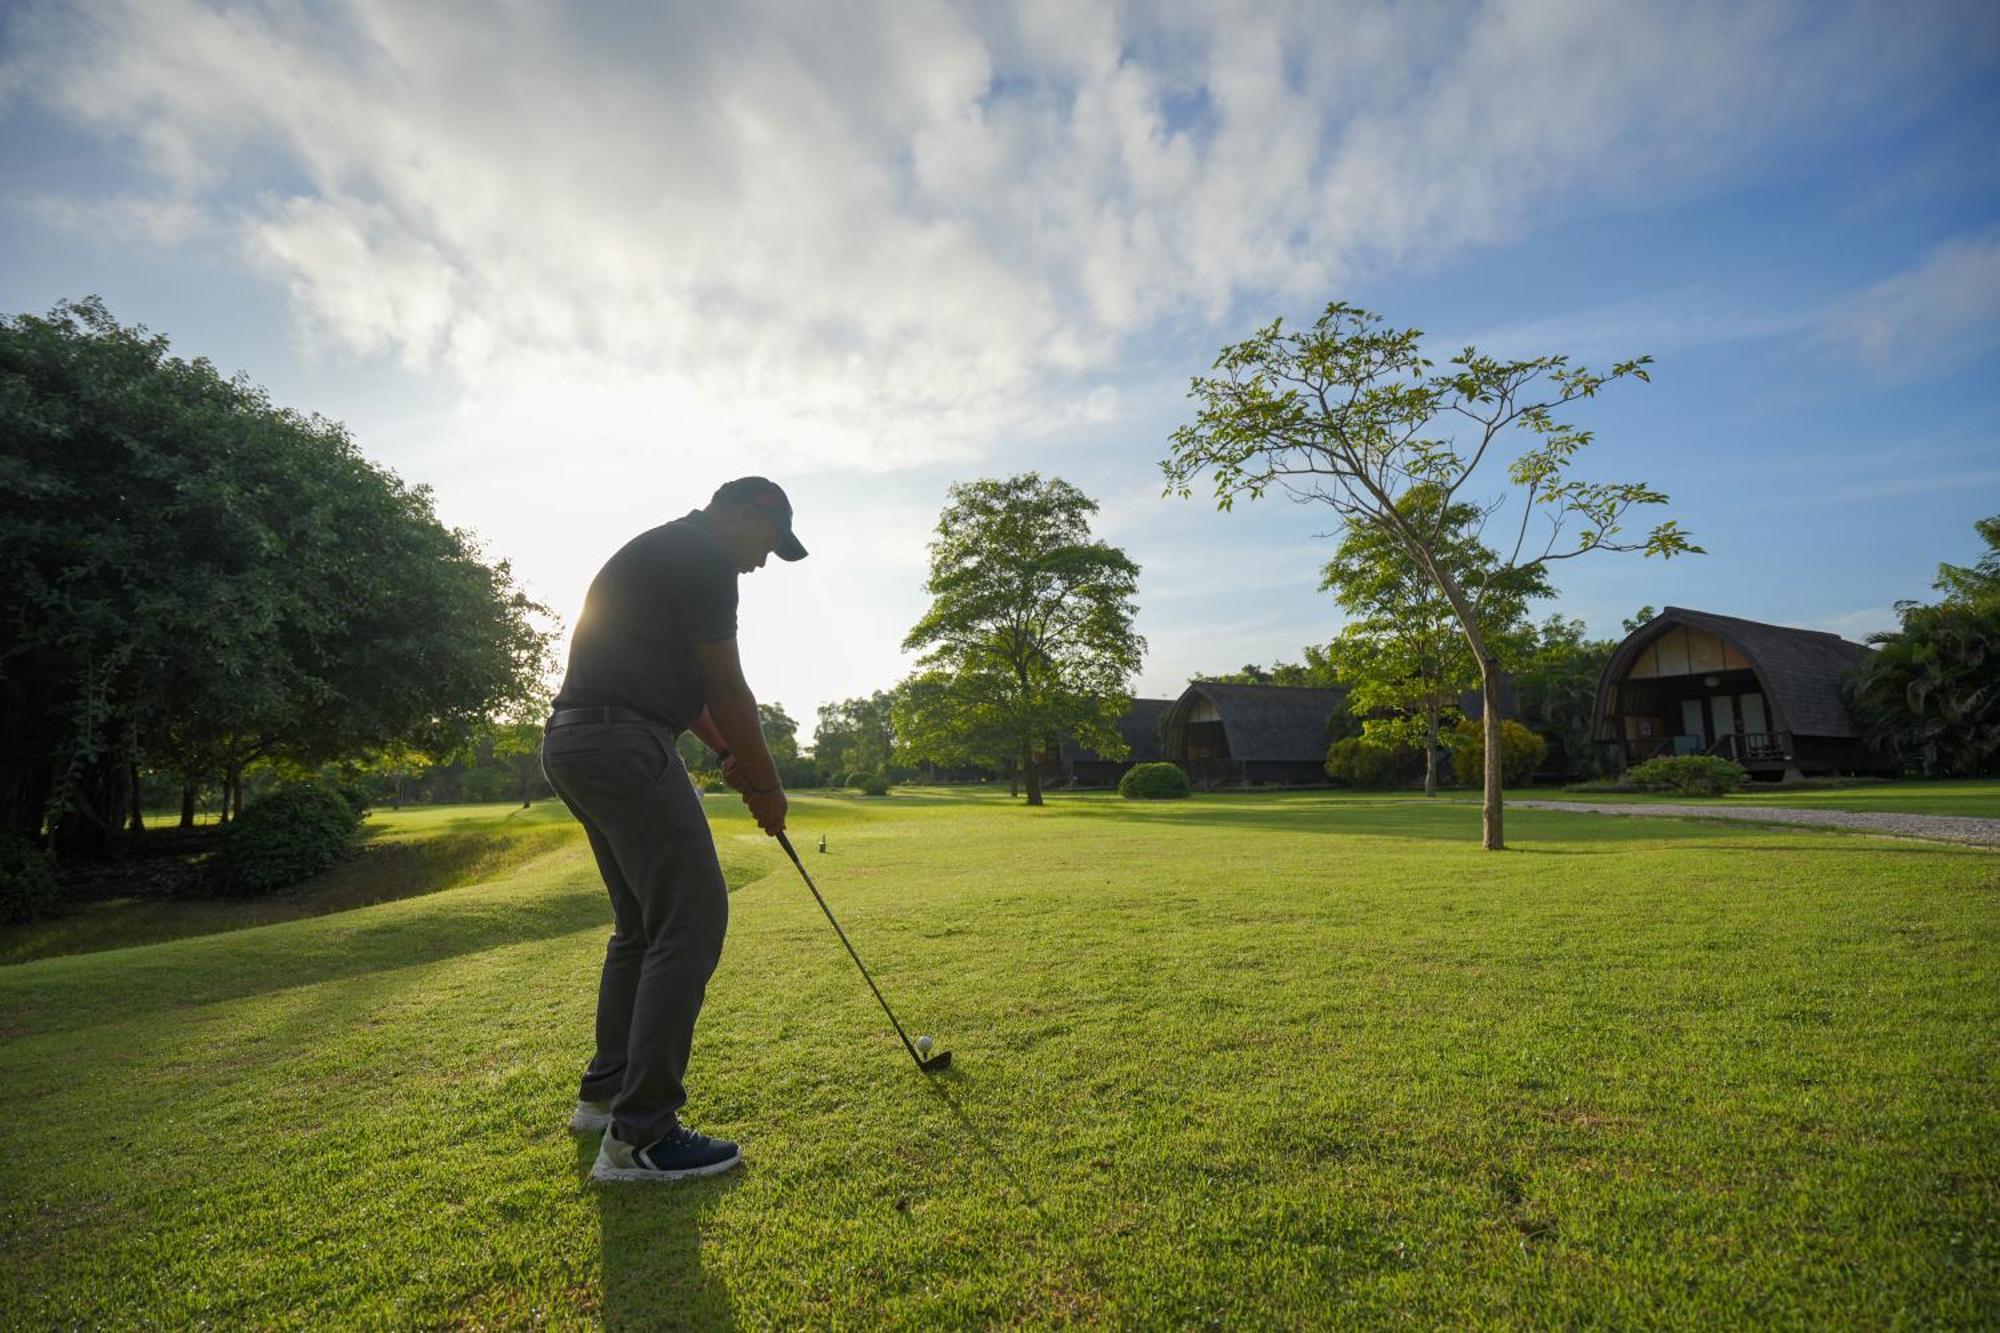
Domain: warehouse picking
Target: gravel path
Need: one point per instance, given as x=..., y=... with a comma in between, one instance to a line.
x=1934, y=828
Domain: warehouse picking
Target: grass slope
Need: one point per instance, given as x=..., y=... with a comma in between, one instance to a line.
x=402, y=857
x=1270, y=1061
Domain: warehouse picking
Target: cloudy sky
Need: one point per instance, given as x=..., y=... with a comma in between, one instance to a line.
x=573, y=266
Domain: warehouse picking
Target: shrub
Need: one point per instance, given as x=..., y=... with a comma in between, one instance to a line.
x=27, y=882
x=1521, y=751
x=858, y=777
x=1361, y=763
x=1154, y=782
x=296, y=831
x=1688, y=774
x=873, y=784
x=356, y=797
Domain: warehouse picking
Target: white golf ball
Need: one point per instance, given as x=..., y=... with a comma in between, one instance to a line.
x=923, y=1045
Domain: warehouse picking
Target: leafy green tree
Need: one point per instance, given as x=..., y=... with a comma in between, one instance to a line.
x=1555, y=687
x=1977, y=584
x=1351, y=415
x=1929, y=697
x=1030, y=619
x=1360, y=762
x=1521, y=751
x=1316, y=672
x=781, y=736
x=193, y=579
x=855, y=735
x=941, y=719
x=1402, y=654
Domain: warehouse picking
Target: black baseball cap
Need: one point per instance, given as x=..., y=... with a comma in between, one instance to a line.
x=765, y=494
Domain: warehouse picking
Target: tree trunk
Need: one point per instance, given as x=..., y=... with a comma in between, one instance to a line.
x=1013, y=781
x=1489, y=693
x=96, y=813
x=1431, y=750
x=1033, y=774
x=396, y=801
x=232, y=793
x=187, y=804
x=138, y=815
x=527, y=780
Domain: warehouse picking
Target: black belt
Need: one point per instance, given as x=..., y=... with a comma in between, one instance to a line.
x=570, y=717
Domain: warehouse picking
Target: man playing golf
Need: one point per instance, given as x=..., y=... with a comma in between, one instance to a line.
x=654, y=654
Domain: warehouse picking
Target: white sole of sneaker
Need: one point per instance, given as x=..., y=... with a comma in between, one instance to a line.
x=604, y=1171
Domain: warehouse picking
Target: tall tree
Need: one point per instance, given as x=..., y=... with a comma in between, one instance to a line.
x=855, y=736
x=1555, y=685
x=1350, y=414
x=1402, y=654
x=1976, y=584
x=1929, y=697
x=1031, y=619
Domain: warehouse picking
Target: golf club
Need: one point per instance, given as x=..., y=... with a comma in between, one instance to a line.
x=942, y=1060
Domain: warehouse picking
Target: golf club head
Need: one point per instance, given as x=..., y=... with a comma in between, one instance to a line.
x=942, y=1060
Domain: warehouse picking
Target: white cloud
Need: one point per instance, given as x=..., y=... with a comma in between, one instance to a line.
x=1936, y=316
x=157, y=220
x=653, y=249
x=1653, y=324
x=865, y=236
x=1856, y=626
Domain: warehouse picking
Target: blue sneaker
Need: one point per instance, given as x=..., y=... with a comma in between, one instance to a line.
x=680, y=1155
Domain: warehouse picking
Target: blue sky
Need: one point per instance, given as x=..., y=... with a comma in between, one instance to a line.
x=573, y=274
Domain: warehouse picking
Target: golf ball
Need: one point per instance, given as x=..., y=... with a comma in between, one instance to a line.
x=923, y=1045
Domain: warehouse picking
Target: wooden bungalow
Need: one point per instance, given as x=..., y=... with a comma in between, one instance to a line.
x=1250, y=733
x=1140, y=728
x=1767, y=696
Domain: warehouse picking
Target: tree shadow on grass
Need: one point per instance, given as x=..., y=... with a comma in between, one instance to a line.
x=650, y=1234
x=381, y=870
x=80, y=990
x=70, y=992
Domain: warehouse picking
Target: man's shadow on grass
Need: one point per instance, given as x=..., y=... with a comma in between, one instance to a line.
x=651, y=1240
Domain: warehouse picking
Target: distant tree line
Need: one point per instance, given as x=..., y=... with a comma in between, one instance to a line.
x=194, y=580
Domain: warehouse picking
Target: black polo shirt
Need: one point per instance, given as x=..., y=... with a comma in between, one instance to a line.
x=664, y=592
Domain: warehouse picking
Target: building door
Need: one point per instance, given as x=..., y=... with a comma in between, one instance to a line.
x=1692, y=739
x=1722, y=718
x=1751, y=707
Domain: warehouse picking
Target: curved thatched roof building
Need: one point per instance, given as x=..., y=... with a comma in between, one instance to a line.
x=1251, y=733
x=1768, y=696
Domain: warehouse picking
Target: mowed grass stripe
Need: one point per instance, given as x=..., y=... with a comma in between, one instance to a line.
x=1239, y=1060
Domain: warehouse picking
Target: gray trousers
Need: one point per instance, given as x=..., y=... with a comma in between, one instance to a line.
x=625, y=784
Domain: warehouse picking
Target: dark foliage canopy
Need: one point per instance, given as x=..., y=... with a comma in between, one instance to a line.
x=192, y=577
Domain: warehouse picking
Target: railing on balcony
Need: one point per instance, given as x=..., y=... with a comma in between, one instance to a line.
x=1752, y=747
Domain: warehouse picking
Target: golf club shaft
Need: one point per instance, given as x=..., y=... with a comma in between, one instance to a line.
x=786, y=843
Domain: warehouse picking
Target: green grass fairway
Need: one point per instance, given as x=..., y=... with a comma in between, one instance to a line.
x=1240, y=1061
